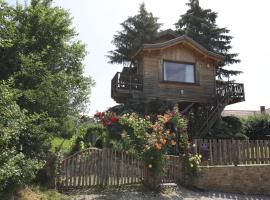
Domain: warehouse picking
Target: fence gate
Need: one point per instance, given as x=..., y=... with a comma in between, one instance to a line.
x=93, y=167
x=174, y=171
x=108, y=167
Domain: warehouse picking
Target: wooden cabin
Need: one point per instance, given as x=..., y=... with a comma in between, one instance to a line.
x=177, y=69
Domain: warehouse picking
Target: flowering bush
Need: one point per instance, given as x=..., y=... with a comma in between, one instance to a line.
x=193, y=164
x=162, y=138
x=106, y=118
x=152, y=139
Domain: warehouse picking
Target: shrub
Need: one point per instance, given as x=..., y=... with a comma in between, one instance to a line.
x=154, y=107
x=193, y=164
x=150, y=139
x=227, y=128
x=257, y=127
x=92, y=135
x=18, y=165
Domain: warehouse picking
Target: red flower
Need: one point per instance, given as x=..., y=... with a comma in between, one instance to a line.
x=106, y=123
x=114, y=119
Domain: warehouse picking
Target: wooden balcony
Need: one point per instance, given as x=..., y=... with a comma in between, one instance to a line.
x=235, y=92
x=128, y=87
x=125, y=86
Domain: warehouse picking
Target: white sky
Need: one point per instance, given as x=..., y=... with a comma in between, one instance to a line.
x=97, y=21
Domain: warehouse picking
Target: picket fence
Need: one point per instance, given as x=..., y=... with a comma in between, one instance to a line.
x=232, y=152
x=108, y=167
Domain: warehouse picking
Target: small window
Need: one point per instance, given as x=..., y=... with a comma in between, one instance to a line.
x=178, y=72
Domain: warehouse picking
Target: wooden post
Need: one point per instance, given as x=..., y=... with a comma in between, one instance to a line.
x=230, y=148
x=67, y=171
x=220, y=151
x=257, y=152
x=261, y=152
x=235, y=153
x=211, y=152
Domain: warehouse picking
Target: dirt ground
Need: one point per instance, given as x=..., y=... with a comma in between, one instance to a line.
x=179, y=193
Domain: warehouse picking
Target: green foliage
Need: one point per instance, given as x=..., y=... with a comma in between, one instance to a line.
x=17, y=166
x=51, y=194
x=92, y=135
x=200, y=25
x=137, y=30
x=60, y=144
x=227, y=128
x=193, y=164
x=34, y=193
x=45, y=60
x=40, y=55
x=257, y=127
x=152, y=108
x=149, y=138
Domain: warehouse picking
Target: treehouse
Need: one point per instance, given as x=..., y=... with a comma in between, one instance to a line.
x=180, y=70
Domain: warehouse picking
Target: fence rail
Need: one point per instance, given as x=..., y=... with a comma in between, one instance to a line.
x=233, y=152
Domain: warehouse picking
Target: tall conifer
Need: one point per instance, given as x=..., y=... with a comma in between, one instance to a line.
x=137, y=30
x=200, y=25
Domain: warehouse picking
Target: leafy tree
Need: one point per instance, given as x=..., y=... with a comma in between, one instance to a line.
x=38, y=48
x=200, y=25
x=137, y=30
x=257, y=127
x=17, y=165
x=227, y=128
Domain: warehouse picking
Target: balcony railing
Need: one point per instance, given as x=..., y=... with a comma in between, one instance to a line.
x=235, y=91
x=127, y=82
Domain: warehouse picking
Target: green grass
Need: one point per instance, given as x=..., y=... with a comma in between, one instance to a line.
x=33, y=193
x=51, y=194
x=57, y=142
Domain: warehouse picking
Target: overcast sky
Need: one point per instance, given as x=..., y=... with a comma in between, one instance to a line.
x=97, y=21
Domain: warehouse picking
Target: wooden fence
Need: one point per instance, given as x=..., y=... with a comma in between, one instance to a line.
x=232, y=152
x=108, y=167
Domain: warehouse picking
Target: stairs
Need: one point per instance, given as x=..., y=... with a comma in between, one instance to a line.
x=227, y=93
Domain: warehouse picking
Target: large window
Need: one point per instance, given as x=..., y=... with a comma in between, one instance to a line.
x=178, y=72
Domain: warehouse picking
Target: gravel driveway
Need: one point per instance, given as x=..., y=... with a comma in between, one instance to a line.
x=179, y=194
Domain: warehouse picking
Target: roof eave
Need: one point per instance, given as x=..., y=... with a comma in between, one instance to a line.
x=180, y=39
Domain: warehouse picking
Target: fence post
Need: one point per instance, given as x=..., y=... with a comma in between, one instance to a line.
x=235, y=153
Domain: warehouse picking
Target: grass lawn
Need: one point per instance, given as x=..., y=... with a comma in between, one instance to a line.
x=51, y=194
x=60, y=142
x=33, y=193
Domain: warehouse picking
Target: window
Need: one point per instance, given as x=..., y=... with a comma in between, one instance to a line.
x=178, y=72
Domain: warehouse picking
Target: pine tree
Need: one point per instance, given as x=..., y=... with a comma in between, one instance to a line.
x=137, y=30
x=200, y=25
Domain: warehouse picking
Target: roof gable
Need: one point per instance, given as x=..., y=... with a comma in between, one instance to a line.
x=181, y=39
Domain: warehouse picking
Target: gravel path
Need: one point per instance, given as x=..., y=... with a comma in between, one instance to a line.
x=179, y=194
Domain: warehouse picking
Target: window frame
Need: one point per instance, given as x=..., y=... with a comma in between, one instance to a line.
x=179, y=62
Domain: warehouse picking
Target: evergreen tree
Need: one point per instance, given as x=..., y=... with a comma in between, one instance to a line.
x=200, y=25
x=137, y=30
